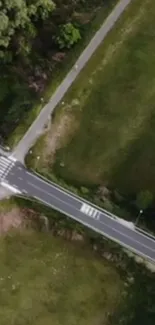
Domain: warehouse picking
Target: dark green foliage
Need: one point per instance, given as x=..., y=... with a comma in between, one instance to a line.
x=17, y=23
x=144, y=199
x=68, y=36
x=18, y=98
x=140, y=302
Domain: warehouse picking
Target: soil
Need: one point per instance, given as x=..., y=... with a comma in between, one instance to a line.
x=12, y=219
x=60, y=132
x=17, y=218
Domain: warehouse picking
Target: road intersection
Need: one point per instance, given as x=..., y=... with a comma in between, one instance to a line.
x=21, y=181
x=18, y=180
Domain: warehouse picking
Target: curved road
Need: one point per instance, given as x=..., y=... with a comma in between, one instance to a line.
x=37, y=126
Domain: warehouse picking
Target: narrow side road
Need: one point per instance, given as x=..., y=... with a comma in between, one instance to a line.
x=37, y=126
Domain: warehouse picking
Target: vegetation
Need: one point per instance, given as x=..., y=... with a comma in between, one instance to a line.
x=68, y=36
x=45, y=280
x=17, y=25
x=31, y=61
x=111, y=106
x=144, y=200
x=139, y=306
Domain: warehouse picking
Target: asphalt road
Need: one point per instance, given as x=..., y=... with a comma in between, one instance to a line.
x=37, y=126
x=16, y=178
x=75, y=207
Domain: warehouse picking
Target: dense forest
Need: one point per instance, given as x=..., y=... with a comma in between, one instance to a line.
x=35, y=37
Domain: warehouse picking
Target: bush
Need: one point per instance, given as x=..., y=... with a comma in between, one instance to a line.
x=68, y=36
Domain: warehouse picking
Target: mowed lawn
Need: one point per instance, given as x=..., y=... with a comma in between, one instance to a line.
x=112, y=105
x=48, y=281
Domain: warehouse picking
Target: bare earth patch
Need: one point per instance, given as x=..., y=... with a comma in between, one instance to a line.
x=61, y=131
x=17, y=218
x=11, y=219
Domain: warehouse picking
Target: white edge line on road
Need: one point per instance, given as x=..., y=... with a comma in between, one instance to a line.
x=145, y=232
x=70, y=194
x=81, y=200
x=101, y=232
x=99, y=221
x=11, y=188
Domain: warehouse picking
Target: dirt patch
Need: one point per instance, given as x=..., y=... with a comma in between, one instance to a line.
x=11, y=219
x=17, y=218
x=83, y=18
x=61, y=132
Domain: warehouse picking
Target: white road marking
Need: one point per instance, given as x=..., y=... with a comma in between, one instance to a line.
x=99, y=229
x=74, y=196
x=85, y=208
x=95, y=213
x=5, y=166
x=4, y=159
x=11, y=188
x=41, y=178
x=89, y=210
x=12, y=158
x=99, y=221
x=37, y=198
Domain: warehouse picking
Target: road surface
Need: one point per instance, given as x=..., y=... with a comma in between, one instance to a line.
x=37, y=126
x=16, y=178
x=21, y=181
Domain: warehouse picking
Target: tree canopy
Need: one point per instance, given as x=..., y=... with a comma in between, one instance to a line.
x=68, y=36
x=19, y=16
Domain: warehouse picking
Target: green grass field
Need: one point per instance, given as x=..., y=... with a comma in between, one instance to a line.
x=46, y=280
x=113, y=103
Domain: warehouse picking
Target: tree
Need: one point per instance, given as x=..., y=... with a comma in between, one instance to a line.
x=18, y=18
x=144, y=199
x=68, y=36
